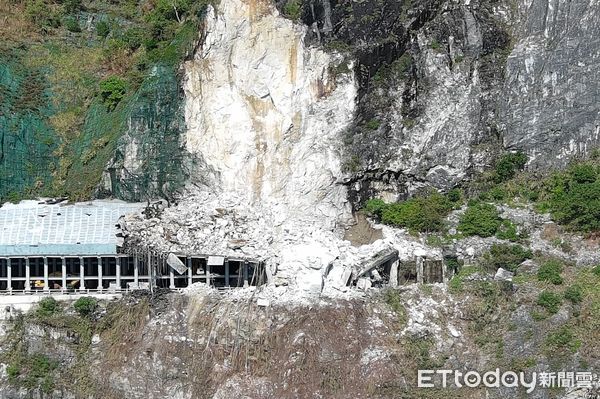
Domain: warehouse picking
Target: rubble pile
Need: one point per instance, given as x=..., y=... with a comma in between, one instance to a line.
x=301, y=254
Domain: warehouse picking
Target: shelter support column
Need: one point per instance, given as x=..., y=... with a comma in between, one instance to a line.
x=99, y=274
x=207, y=273
x=81, y=273
x=8, y=275
x=27, y=275
x=46, y=282
x=136, y=272
x=189, y=270
x=227, y=273
x=63, y=273
x=246, y=273
x=171, y=279
x=118, y=271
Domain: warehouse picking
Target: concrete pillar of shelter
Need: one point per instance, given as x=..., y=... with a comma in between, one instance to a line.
x=118, y=271
x=46, y=282
x=63, y=273
x=99, y=274
x=171, y=279
x=419, y=262
x=27, y=275
x=8, y=275
x=207, y=274
x=189, y=270
x=136, y=272
x=394, y=274
x=81, y=274
x=246, y=282
x=227, y=273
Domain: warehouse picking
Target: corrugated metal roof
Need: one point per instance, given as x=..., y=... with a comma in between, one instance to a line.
x=31, y=228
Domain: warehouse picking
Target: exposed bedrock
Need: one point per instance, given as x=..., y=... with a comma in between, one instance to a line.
x=445, y=86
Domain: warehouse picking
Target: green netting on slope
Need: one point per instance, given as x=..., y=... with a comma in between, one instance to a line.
x=27, y=142
x=139, y=140
x=155, y=125
x=133, y=152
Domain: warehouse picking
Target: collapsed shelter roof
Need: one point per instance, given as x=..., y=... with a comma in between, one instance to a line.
x=40, y=228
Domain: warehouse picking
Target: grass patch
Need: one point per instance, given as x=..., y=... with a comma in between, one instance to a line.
x=549, y=301
x=562, y=339
x=418, y=350
x=550, y=272
x=394, y=301
x=456, y=284
x=574, y=294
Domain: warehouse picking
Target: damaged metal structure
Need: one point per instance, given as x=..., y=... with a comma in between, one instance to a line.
x=121, y=272
x=58, y=247
x=385, y=268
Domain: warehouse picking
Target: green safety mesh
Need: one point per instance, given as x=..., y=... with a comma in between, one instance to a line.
x=27, y=142
x=146, y=125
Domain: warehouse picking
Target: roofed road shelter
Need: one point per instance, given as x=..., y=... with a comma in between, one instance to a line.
x=60, y=247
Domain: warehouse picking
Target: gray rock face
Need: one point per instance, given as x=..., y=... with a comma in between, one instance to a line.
x=444, y=87
x=550, y=97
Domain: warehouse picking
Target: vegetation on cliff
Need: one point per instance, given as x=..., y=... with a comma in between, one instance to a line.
x=72, y=75
x=569, y=195
x=43, y=366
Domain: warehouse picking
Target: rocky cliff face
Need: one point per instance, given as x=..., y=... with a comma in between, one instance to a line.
x=265, y=111
x=203, y=344
x=351, y=101
x=445, y=86
x=549, y=103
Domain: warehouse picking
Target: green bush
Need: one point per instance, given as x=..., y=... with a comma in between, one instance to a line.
x=572, y=197
x=12, y=371
x=508, y=165
x=574, y=294
x=596, y=270
x=38, y=12
x=47, y=307
x=480, y=219
x=508, y=257
x=72, y=25
x=112, y=91
x=455, y=195
x=453, y=265
x=549, y=301
x=163, y=21
x=85, y=306
x=563, y=338
x=102, y=29
x=292, y=9
x=373, y=124
x=507, y=231
x=375, y=207
x=497, y=193
x=133, y=38
x=424, y=214
x=71, y=6
x=33, y=371
x=550, y=271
